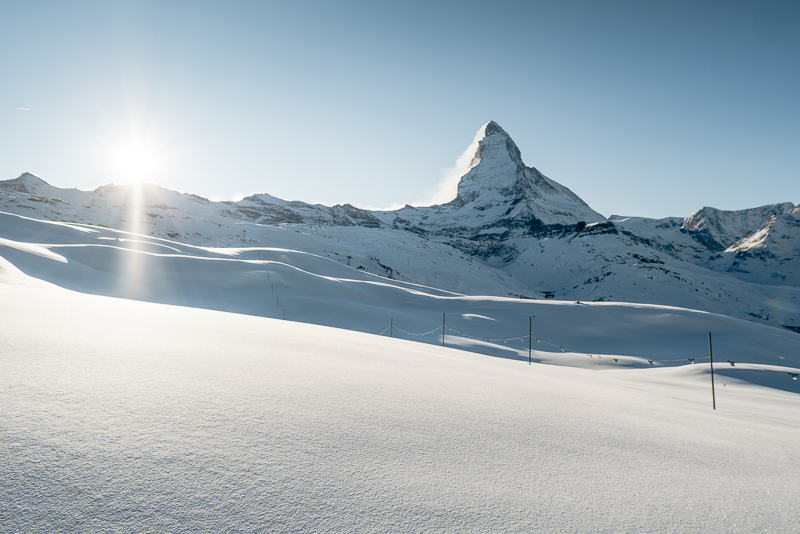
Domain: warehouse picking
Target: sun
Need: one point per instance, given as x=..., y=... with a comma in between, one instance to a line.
x=134, y=160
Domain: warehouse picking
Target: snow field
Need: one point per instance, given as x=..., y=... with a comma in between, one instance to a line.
x=312, y=288
x=136, y=417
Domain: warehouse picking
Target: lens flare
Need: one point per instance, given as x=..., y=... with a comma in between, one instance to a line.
x=134, y=269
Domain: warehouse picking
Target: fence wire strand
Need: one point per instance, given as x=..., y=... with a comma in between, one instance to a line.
x=539, y=340
x=503, y=339
x=416, y=335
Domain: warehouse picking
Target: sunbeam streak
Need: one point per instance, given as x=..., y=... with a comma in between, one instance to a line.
x=133, y=262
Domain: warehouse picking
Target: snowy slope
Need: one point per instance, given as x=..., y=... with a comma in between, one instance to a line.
x=510, y=232
x=721, y=229
x=279, y=282
x=758, y=245
x=127, y=416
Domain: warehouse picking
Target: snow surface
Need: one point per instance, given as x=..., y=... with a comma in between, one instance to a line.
x=128, y=416
x=279, y=282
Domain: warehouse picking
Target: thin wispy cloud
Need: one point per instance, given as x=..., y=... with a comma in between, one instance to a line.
x=23, y=109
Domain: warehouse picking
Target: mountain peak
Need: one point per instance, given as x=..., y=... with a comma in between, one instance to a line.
x=497, y=177
x=495, y=148
x=494, y=128
x=26, y=183
x=31, y=178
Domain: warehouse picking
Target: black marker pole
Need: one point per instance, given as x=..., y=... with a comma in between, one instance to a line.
x=711, y=362
x=530, y=337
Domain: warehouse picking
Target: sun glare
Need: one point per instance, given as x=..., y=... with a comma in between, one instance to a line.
x=134, y=161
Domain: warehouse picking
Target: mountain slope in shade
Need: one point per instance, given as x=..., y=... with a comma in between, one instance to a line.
x=719, y=229
x=759, y=245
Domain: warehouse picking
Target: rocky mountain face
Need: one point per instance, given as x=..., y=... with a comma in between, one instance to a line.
x=538, y=236
x=759, y=244
x=498, y=194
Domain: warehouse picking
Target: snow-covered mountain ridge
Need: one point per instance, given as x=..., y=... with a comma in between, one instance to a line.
x=510, y=231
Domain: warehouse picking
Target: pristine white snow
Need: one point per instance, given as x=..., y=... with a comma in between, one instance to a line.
x=279, y=282
x=128, y=416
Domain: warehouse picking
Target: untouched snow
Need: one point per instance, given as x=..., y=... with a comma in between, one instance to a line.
x=278, y=282
x=128, y=416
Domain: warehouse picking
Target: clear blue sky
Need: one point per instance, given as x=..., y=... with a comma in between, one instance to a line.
x=641, y=108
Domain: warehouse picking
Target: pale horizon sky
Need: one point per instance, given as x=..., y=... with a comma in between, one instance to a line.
x=640, y=108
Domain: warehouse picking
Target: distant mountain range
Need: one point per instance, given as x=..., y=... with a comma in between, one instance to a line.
x=511, y=231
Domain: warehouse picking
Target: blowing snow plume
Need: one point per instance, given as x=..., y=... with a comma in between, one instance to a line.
x=447, y=188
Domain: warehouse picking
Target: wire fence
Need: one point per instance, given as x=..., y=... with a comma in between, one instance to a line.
x=563, y=349
x=417, y=335
x=444, y=328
